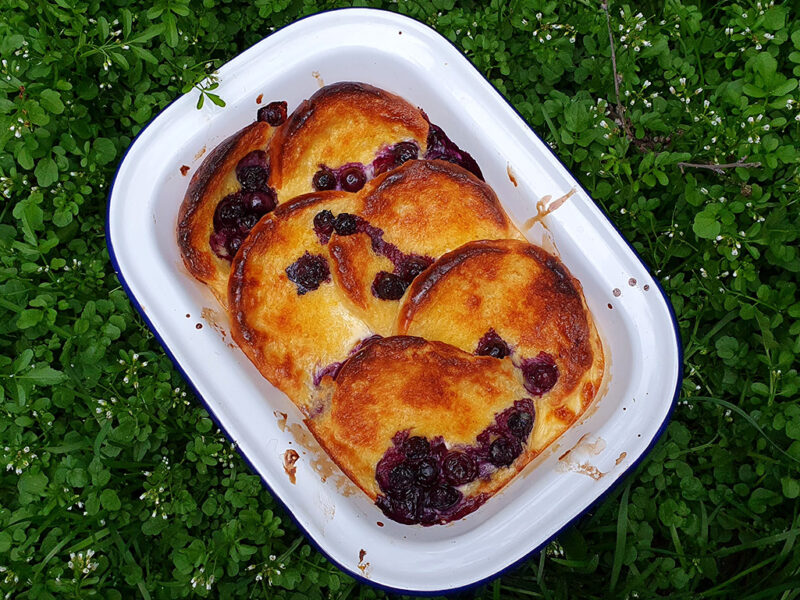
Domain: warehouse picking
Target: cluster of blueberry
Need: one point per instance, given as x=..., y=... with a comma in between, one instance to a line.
x=419, y=478
x=238, y=213
x=351, y=177
x=386, y=286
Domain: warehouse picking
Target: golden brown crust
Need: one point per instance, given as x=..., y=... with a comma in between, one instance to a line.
x=524, y=294
x=213, y=181
x=427, y=195
x=424, y=208
x=290, y=337
x=407, y=383
x=341, y=123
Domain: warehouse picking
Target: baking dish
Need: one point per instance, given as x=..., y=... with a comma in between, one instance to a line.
x=632, y=314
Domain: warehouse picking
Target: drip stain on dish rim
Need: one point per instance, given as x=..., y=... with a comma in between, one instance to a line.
x=290, y=458
x=543, y=209
x=511, y=176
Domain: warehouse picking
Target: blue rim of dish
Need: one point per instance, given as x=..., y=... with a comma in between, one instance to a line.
x=360, y=578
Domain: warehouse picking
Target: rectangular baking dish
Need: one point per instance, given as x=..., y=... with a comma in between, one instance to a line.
x=632, y=314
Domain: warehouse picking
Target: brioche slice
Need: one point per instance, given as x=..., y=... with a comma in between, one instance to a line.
x=407, y=219
x=226, y=197
x=428, y=431
x=287, y=314
x=513, y=301
x=343, y=135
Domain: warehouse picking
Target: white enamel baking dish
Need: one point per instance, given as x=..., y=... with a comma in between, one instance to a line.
x=632, y=314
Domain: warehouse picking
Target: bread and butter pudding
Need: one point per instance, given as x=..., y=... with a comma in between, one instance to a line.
x=373, y=277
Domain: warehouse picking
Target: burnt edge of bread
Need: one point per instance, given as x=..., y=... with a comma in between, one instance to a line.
x=195, y=259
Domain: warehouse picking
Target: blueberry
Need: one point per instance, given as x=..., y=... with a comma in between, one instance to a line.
x=492, y=345
x=247, y=222
x=441, y=147
x=503, y=451
x=412, y=266
x=388, y=286
x=459, y=468
x=352, y=179
x=345, y=224
x=416, y=447
x=229, y=212
x=427, y=472
x=234, y=243
x=219, y=244
x=443, y=497
x=323, y=223
x=273, y=113
x=260, y=202
x=405, y=505
x=324, y=179
x=252, y=171
x=404, y=151
x=539, y=374
x=308, y=272
x=520, y=424
x=385, y=161
x=252, y=178
x=401, y=477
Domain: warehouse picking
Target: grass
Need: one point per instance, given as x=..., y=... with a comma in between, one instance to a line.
x=117, y=484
